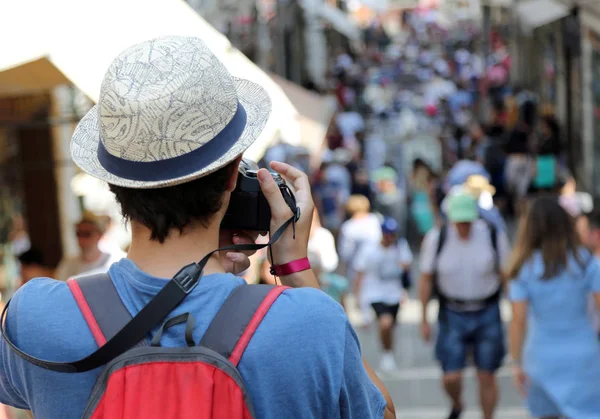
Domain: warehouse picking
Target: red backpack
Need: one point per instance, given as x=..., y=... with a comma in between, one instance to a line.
x=151, y=382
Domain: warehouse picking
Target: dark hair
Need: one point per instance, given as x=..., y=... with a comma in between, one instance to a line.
x=175, y=207
x=33, y=256
x=548, y=228
x=552, y=124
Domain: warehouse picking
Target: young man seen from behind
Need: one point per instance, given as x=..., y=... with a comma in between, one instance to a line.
x=167, y=135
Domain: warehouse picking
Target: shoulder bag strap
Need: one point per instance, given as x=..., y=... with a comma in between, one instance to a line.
x=440, y=245
x=238, y=318
x=101, y=306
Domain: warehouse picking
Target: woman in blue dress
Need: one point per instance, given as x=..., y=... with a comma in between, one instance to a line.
x=553, y=342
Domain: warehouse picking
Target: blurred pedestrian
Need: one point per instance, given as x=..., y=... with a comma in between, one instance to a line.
x=33, y=265
x=554, y=346
x=380, y=267
x=91, y=259
x=461, y=265
x=322, y=244
x=362, y=227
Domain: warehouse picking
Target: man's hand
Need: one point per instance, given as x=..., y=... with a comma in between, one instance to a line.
x=426, y=332
x=288, y=249
x=236, y=262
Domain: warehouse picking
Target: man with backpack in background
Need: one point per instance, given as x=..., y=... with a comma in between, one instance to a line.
x=167, y=135
x=461, y=266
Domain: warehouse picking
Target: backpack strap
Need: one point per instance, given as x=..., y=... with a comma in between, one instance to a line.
x=100, y=304
x=238, y=318
x=440, y=245
x=494, y=240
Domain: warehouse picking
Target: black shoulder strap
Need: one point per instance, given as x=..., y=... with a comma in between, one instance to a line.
x=441, y=240
x=494, y=240
x=101, y=297
x=241, y=313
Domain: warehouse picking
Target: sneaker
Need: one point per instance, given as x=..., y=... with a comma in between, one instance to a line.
x=388, y=363
x=455, y=413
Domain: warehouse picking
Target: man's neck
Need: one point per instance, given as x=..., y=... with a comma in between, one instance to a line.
x=164, y=260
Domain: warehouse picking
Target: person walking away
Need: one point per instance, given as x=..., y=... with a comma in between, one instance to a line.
x=322, y=243
x=89, y=231
x=362, y=227
x=460, y=265
x=553, y=343
x=334, y=189
x=379, y=269
x=547, y=159
x=421, y=205
x=176, y=216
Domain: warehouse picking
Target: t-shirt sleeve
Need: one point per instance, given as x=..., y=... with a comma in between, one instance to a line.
x=359, y=397
x=405, y=254
x=428, y=251
x=517, y=288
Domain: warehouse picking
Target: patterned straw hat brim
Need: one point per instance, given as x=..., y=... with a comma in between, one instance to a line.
x=86, y=138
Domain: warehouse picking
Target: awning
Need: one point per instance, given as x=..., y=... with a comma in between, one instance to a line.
x=536, y=13
x=498, y=3
x=340, y=21
x=76, y=40
x=315, y=113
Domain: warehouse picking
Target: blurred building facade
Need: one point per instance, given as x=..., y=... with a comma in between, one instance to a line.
x=555, y=46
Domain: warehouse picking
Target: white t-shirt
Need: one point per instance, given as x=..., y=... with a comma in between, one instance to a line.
x=355, y=233
x=465, y=270
x=322, y=242
x=349, y=123
x=382, y=268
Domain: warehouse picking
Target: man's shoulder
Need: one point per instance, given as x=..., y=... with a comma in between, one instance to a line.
x=305, y=313
x=36, y=320
x=311, y=303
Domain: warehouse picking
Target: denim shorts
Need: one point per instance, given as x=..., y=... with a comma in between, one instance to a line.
x=477, y=333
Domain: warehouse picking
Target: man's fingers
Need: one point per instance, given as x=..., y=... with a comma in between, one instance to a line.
x=241, y=262
x=296, y=176
x=279, y=208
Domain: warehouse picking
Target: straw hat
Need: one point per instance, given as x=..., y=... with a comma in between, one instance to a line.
x=168, y=112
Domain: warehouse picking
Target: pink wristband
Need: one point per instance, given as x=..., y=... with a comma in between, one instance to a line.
x=292, y=267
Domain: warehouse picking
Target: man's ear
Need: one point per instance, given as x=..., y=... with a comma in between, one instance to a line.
x=233, y=174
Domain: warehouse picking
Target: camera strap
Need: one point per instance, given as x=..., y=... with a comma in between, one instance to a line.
x=169, y=297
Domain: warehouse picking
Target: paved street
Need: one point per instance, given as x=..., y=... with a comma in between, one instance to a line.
x=415, y=387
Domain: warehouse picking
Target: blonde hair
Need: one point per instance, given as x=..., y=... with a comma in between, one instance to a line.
x=358, y=204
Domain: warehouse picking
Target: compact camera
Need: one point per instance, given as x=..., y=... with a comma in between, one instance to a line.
x=248, y=208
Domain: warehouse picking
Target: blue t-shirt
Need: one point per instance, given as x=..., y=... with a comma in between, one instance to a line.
x=303, y=362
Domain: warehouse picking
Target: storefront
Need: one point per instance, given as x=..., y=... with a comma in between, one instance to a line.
x=29, y=211
x=593, y=112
